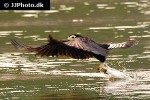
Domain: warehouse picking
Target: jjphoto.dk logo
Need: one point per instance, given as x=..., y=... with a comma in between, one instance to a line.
x=6, y=5
x=16, y=5
x=25, y=5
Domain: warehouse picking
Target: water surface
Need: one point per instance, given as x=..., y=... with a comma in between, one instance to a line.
x=24, y=76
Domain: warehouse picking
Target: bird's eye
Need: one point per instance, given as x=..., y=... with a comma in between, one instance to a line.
x=73, y=37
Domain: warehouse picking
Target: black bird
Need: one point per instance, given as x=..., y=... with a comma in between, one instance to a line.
x=76, y=46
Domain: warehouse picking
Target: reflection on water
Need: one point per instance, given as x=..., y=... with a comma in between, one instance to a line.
x=24, y=76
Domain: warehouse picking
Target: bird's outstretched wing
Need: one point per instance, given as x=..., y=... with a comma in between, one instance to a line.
x=55, y=48
x=87, y=45
x=123, y=45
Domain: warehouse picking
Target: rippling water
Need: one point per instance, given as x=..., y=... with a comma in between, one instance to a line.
x=24, y=76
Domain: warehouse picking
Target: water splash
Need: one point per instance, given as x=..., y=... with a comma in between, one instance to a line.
x=114, y=73
x=130, y=87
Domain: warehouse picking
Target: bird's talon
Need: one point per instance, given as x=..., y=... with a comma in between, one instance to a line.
x=101, y=69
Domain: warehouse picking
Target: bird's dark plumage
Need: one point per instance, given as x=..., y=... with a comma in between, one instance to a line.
x=77, y=47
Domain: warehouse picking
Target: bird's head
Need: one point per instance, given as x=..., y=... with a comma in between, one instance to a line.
x=73, y=36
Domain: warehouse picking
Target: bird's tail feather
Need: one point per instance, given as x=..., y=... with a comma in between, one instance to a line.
x=124, y=45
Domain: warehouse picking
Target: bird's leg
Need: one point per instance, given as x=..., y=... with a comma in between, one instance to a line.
x=100, y=68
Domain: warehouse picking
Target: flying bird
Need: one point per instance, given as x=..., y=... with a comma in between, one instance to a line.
x=77, y=47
